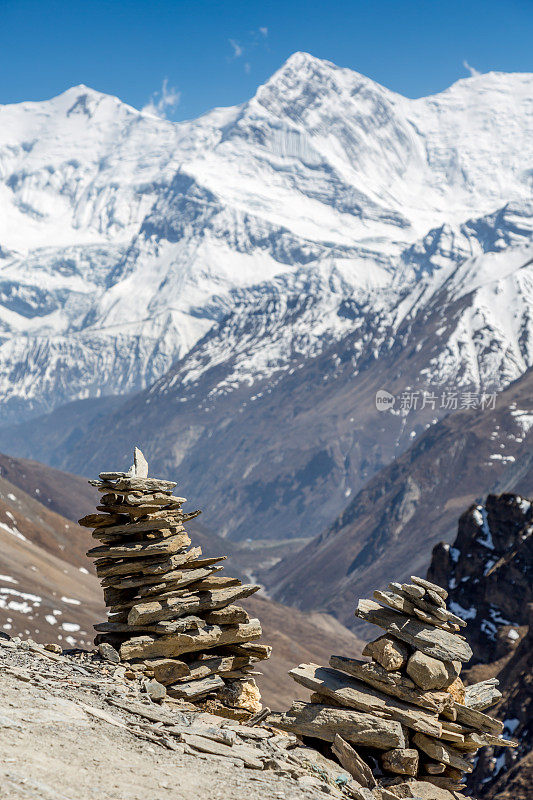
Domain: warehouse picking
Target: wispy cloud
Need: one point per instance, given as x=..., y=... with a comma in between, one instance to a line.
x=472, y=70
x=238, y=50
x=163, y=101
x=252, y=40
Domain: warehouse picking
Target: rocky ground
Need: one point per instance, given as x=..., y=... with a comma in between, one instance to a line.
x=74, y=727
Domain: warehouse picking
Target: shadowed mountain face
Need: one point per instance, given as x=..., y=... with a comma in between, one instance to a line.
x=388, y=530
x=488, y=573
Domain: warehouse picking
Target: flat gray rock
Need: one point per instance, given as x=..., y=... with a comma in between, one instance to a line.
x=435, y=642
x=326, y=722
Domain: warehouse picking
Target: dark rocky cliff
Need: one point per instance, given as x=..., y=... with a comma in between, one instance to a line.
x=488, y=572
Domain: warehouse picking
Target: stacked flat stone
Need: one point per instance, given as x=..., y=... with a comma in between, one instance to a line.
x=405, y=715
x=171, y=615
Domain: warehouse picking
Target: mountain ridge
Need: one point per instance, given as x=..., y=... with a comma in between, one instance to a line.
x=389, y=527
x=150, y=226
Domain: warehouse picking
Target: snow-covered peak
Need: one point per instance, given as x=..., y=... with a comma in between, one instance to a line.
x=124, y=237
x=304, y=83
x=77, y=107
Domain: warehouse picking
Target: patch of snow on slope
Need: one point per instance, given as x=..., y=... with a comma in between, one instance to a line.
x=524, y=419
x=13, y=531
x=483, y=523
x=464, y=613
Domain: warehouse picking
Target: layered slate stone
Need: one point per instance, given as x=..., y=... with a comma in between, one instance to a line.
x=412, y=681
x=170, y=612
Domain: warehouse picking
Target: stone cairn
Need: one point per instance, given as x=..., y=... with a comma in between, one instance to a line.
x=406, y=713
x=171, y=615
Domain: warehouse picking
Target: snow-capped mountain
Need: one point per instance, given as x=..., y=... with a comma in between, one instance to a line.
x=271, y=418
x=323, y=206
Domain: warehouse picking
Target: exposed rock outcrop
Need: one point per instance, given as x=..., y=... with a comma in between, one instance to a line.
x=488, y=572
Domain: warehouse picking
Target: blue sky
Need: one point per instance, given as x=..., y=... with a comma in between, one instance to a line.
x=187, y=56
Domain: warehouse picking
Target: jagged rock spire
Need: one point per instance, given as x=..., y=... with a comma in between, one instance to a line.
x=139, y=468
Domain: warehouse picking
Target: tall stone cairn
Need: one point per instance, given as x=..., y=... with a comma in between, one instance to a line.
x=404, y=717
x=171, y=615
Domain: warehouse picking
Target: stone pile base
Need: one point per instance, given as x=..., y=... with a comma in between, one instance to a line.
x=405, y=713
x=171, y=616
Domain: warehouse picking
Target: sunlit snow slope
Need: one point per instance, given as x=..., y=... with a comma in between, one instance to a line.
x=124, y=238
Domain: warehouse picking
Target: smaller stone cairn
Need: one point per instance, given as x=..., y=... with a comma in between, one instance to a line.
x=405, y=716
x=171, y=615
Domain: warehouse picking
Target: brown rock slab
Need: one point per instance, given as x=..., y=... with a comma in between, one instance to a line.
x=193, y=690
x=325, y=722
x=401, y=761
x=428, y=585
x=98, y=520
x=155, y=690
x=435, y=598
x=171, y=584
x=352, y=762
x=167, y=545
x=173, y=626
x=421, y=790
x=442, y=782
x=434, y=768
x=230, y=615
x=167, y=670
x=255, y=650
x=193, y=641
x=439, y=751
x=220, y=665
x=477, y=719
x=391, y=653
x=431, y=673
x=148, y=566
x=144, y=525
x=413, y=590
x=215, y=582
x=108, y=652
x=482, y=695
x=155, y=611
